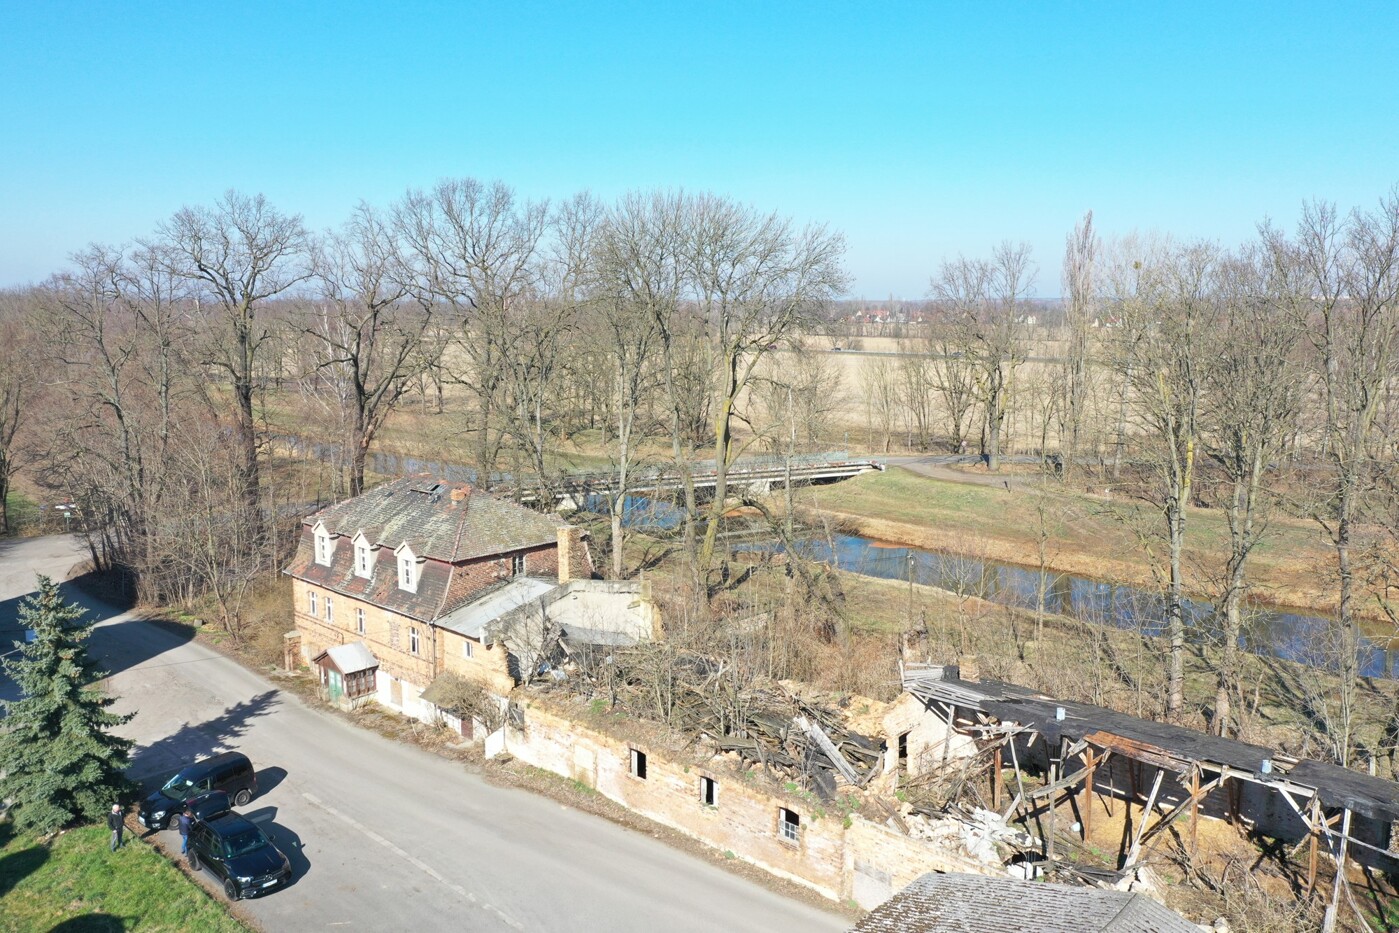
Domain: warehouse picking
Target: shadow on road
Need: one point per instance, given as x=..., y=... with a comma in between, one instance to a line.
x=269, y=778
x=193, y=741
x=286, y=841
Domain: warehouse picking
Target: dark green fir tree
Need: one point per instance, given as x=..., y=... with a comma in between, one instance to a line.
x=61, y=763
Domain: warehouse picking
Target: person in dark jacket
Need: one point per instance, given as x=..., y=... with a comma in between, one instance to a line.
x=185, y=819
x=116, y=823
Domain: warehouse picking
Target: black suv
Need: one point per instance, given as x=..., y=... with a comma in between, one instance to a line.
x=238, y=853
x=230, y=772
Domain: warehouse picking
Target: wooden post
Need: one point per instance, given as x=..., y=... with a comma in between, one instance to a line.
x=1194, y=808
x=1146, y=817
x=1328, y=924
x=1088, y=762
x=997, y=780
x=1313, y=824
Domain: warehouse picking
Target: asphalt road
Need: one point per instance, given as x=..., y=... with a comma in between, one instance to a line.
x=383, y=836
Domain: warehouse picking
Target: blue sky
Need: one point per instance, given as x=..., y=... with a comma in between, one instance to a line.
x=919, y=130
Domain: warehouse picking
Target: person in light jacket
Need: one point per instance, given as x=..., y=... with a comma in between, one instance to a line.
x=116, y=823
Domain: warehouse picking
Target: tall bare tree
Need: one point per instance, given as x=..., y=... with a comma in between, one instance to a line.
x=1345, y=288
x=368, y=338
x=987, y=303
x=240, y=253
x=1253, y=384
x=755, y=279
x=1080, y=258
x=476, y=248
x=1167, y=325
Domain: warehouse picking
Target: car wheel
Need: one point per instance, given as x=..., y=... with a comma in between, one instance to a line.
x=193, y=860
x=230, y=889
x=243, y=797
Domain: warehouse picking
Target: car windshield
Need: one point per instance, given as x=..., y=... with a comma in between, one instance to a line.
x=178, y=787
x=241, y=843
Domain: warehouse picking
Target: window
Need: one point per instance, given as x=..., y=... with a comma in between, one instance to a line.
x=638, y=764
x=412, y=639
x=359, y=620
x=789, y=825
x=364, y=557
x=903, y=751
x=359, y=684
x=315, y=610
x=324, y=548
x=407, y=569
x=709, y=792
x=517, y=565
x=468, y=648
x=329, y=608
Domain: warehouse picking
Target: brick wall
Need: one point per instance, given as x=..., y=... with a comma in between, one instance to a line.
x=390, y=647
x=837, y=857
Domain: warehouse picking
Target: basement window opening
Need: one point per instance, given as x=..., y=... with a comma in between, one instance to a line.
x=638, y=764
x=903, y=752
x=789, y=825
x=709, y=792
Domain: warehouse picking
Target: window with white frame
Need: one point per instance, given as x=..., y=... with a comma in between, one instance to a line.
x=468, y=648
x=517, y=565
x=364, y=557
x=329, y=608
x=324, y=548
x=315, y=609
x=789, y=825
x=407, y=569
x=412, y=640
x=359, y=619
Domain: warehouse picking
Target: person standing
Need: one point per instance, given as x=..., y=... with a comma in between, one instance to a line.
x=116, y=823
x=185, y=819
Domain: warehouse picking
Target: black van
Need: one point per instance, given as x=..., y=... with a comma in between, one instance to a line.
x=230, y=772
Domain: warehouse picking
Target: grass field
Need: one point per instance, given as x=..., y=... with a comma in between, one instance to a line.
x=75, y=883
x=1086, y=535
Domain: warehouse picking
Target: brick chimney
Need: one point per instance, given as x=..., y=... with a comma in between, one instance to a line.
x=574, y=563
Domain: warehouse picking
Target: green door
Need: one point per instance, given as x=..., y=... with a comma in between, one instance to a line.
x=337, y=689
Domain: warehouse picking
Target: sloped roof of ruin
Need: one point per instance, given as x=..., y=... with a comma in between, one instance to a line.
x=980, y=904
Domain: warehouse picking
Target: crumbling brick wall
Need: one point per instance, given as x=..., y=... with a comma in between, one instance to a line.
x=841, y=857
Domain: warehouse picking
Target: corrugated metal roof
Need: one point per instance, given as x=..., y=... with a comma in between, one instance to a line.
x=472, y=618
x=980, y=904
x=351, y=658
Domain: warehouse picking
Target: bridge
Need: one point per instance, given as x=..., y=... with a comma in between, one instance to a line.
x=755, y=475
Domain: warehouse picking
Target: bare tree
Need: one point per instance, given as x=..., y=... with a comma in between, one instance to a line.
x=986, y=301
x=240, y=253
x=1344, y=283
x=19, y=378
x=755, y=280
x=638, y=274
x=1080, y=258
x=1167, y=323
x=1253, y=386
x=476, y=248
x=879, y=379
x=367, y=339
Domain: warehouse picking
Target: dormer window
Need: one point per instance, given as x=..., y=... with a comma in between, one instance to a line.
x=364, y=557
x=324, y=547
x=407, y=569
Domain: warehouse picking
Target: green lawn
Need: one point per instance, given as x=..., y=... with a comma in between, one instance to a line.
x=75, y=883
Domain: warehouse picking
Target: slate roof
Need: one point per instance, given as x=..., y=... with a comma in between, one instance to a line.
x=351, y=658
x=980, y=904
x=451, y=522
x=447, y=532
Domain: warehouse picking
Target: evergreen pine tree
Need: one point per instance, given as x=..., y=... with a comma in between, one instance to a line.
x=60, y=762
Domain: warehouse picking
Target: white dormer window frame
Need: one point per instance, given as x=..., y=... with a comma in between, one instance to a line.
x=364, y=557
x=325, y=544
x=408, y=569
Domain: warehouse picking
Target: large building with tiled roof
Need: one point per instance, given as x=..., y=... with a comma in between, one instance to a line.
x=413, y=571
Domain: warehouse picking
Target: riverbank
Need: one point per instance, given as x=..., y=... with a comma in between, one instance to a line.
x=1081, y=535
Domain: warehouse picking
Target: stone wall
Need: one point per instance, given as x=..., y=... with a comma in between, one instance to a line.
x=842, y=857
